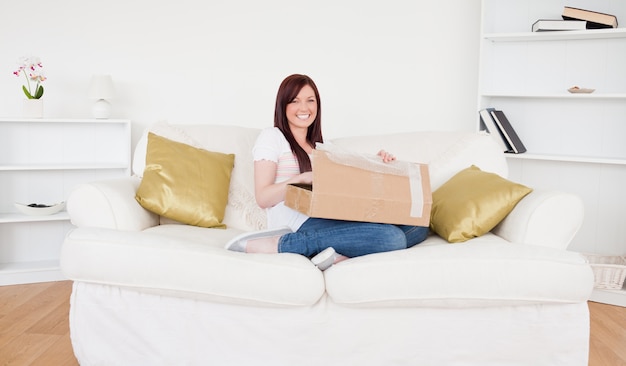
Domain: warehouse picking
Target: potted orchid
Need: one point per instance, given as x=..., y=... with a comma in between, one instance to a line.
x=32, y=69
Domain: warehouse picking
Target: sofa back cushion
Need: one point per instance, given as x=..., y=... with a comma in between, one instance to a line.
x=185, y=183
x=445, y=152
x=242, y=212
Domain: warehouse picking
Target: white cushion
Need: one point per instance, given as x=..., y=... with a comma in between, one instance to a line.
x=445, y=152
x=242, y=211
x=486, y=271
x=191, y=262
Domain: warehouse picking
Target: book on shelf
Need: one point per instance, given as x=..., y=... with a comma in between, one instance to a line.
x=548, y=25
x=595, y=20
x=508, y=132
x=488, y=124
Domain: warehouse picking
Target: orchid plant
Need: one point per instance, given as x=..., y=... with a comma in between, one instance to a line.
x=32, y=69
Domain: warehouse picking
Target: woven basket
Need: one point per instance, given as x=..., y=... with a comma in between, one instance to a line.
x=609, y=271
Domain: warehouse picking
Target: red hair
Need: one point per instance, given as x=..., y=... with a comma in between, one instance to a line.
x=288, y=91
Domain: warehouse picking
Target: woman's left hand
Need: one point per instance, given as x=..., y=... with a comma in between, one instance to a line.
x=387, y=157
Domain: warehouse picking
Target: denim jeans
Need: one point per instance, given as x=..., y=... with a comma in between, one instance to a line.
x=350, y=238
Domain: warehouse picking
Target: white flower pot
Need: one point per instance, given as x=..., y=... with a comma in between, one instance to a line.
x=32, y=108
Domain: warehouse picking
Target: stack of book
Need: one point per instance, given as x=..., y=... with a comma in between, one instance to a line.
x=576, y=19
x=499, y=127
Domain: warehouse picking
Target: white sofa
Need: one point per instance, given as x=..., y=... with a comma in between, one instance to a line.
x=148, y=291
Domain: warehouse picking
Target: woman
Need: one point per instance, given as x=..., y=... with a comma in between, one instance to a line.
x=281, y=157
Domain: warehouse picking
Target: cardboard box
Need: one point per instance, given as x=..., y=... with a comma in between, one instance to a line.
x=357, y=188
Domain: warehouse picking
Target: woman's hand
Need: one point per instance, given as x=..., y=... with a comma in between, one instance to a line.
x=268, y=193
x=304, y=178
x=387, y=157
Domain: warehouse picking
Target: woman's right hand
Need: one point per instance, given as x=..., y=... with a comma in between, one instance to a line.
x=303, y=178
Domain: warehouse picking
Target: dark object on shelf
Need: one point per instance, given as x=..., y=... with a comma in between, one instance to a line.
x=39, y=209
x=595, y=20
x=508, y=132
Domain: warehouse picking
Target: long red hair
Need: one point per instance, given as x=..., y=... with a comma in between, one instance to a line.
x=288, y=90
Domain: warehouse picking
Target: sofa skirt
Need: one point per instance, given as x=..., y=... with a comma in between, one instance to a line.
x=124, y=326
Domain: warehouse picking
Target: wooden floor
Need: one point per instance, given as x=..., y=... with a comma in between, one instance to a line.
x=34, y=328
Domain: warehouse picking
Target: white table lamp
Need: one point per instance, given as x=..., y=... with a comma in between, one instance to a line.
x=101, y=89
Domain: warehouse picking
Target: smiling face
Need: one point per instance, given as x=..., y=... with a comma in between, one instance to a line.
x=302, y=110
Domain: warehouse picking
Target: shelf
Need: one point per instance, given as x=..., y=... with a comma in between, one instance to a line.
x=572, y=96
x=61, y=120
x=573, y=139
x=67, y=166
x=17, y=217
x=557, y=35
x=573, y=159
x=45, y=155
x=30, y=272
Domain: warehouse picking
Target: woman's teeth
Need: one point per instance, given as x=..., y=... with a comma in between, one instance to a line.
x=304, y=116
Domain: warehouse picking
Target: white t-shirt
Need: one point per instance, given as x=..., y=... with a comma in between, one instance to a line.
x=272, y=145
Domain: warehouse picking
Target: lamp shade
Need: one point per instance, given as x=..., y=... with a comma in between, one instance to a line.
x=101, y=87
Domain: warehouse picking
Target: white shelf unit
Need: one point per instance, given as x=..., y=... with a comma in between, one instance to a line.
x=41, y=160
x=574, y=141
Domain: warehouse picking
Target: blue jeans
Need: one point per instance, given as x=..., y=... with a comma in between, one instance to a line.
x=350, y=238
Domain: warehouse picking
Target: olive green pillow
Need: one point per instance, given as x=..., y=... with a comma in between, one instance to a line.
x=472, y=203
x=185, y=183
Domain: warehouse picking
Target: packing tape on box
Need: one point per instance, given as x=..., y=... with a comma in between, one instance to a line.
x=375, y=164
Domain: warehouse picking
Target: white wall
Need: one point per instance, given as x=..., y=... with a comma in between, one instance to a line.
x=388, y=66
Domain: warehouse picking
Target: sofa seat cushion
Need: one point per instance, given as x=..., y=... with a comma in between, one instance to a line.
x=188, y=261
x=485, y=271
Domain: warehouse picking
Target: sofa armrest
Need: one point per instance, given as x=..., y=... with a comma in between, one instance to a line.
x=109, y=204
x=546, y=218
